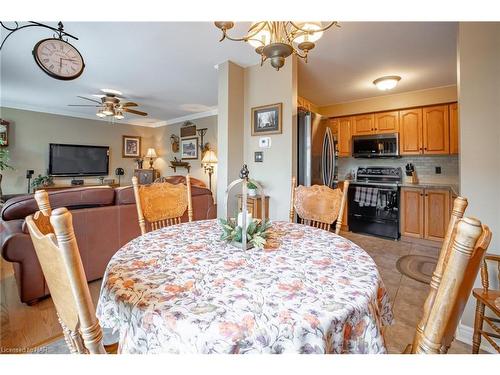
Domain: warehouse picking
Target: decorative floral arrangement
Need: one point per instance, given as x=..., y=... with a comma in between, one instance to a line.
x=42, y=181
x=256, y=232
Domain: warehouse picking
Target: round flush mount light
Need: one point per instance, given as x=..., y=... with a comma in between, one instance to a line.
x=387, y=82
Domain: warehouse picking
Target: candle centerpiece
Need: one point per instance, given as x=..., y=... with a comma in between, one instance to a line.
x=255, y=232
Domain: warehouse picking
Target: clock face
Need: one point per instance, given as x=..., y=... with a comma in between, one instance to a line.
x=58, y=59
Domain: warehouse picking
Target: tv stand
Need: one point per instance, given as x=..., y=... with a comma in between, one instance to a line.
x=67, y=186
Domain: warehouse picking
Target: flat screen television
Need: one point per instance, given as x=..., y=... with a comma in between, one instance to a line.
x=78, y=160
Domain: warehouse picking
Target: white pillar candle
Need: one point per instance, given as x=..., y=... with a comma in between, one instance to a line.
x=240, y=219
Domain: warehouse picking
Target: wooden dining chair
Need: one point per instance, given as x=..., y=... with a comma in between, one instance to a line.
x=162, y=204
x=490, y=298
x=318, y=205
x=459, y=206
x=469, y=241
x=56, y=247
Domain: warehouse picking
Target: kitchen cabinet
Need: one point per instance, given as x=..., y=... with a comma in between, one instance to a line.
x=363, y=124
x=344, y=136
x=386, y=122
x=437, y=213
x=436, y=130
x=425, y=213
x=410, y=131
x=453, y=111
x=412, y=212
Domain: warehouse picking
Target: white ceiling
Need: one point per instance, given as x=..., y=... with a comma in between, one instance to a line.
x=168, y=67
x=347, y=60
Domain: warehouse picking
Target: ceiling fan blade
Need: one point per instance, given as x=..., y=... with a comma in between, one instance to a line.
x=135, y=112
x=91, y=100
x=83, y=105
x=129, y=104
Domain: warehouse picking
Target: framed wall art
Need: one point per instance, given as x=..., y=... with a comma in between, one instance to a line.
x=131, y=146
x=189, y=148
x=4, y=132
x=267, y=119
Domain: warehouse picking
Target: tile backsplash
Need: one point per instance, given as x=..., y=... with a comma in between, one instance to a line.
x=424, y=166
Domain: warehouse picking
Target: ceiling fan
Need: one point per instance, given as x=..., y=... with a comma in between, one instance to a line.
x=110, y=104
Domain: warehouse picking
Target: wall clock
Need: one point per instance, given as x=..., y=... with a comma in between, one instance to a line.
x=59, y=59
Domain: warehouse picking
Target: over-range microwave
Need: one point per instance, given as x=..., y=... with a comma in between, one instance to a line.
x=375, y=146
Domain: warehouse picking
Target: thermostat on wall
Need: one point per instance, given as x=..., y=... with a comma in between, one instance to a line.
x=265, y=142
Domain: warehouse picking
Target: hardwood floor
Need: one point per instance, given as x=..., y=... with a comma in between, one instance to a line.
x=25, y=327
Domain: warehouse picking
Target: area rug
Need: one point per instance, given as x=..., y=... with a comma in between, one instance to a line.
x=417, y=267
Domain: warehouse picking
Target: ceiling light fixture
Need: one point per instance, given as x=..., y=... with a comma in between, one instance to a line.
x=387, y=82
x=100, y=114
x=119, y=115
x=276, y=40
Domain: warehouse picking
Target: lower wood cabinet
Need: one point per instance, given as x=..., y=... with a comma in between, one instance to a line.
x=425, y=213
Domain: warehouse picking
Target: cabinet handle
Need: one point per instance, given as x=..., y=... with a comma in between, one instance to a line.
x=425, y=148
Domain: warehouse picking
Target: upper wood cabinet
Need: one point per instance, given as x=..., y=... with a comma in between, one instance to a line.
x=344, y=136
x=410, y=131
x=387, y=122
x=436, y=130
x=453, y=110
x=363, y=124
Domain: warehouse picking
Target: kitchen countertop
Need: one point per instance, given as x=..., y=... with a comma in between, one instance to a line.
x=432, y=185
x=429, y=185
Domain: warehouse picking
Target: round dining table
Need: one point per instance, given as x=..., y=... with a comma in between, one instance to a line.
x=181, y=289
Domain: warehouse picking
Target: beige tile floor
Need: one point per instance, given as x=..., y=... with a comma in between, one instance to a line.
x=24, y=326
x=407, y=295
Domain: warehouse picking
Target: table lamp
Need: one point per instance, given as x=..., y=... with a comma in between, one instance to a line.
x=151, y=154
x=208, y=161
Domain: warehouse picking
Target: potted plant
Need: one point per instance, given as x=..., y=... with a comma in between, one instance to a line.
x=252, y=188
x=256, y=233
x=43, y=181
x=4, y=163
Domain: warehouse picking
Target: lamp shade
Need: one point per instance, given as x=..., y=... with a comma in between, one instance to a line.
x=151, y=153
x=209, y=157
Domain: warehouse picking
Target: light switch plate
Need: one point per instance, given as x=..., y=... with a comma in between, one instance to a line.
x=265, y=142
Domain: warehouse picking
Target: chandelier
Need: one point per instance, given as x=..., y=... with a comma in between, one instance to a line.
x=276, y=40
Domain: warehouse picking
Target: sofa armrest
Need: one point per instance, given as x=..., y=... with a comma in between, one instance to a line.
x=9, y=230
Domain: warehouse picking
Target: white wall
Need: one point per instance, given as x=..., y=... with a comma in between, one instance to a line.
x=161, y=142
x=264, y=85
x=31, y=132
x=479, y=106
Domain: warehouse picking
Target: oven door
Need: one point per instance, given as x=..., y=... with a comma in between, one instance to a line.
x=376, y=215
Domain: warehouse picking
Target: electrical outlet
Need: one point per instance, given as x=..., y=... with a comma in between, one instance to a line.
x=438, y=170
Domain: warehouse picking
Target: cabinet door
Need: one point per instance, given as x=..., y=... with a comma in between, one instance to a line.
x=344, y=136
x=410, y=131
x=453, y=109
x=363, y=124
x=412, y=212
x=334, y=125
x=387, y=122
x=436, y=130
x=437, y=213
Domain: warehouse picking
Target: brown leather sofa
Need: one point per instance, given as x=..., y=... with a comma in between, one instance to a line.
x=104, y=219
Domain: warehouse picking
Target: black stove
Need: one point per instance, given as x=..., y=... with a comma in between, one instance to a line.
x=374, y=201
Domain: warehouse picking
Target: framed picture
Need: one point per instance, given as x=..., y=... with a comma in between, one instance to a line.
x=189, y=148
x=266, y=119
x=131, y=146
x=4, y=133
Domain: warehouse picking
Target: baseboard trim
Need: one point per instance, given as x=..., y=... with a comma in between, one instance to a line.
x=465, y=333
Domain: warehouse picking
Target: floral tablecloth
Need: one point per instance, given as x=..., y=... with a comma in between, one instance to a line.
x=182, y=290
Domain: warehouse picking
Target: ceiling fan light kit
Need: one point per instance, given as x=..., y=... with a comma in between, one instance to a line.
x=276, y=40
x=110, y=105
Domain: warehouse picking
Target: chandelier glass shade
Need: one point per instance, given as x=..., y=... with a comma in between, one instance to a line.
x=276, y=40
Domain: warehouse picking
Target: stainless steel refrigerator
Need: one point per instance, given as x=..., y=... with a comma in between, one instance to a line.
x=316, y=151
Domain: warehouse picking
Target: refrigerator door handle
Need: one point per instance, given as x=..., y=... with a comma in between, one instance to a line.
x=328, y=159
